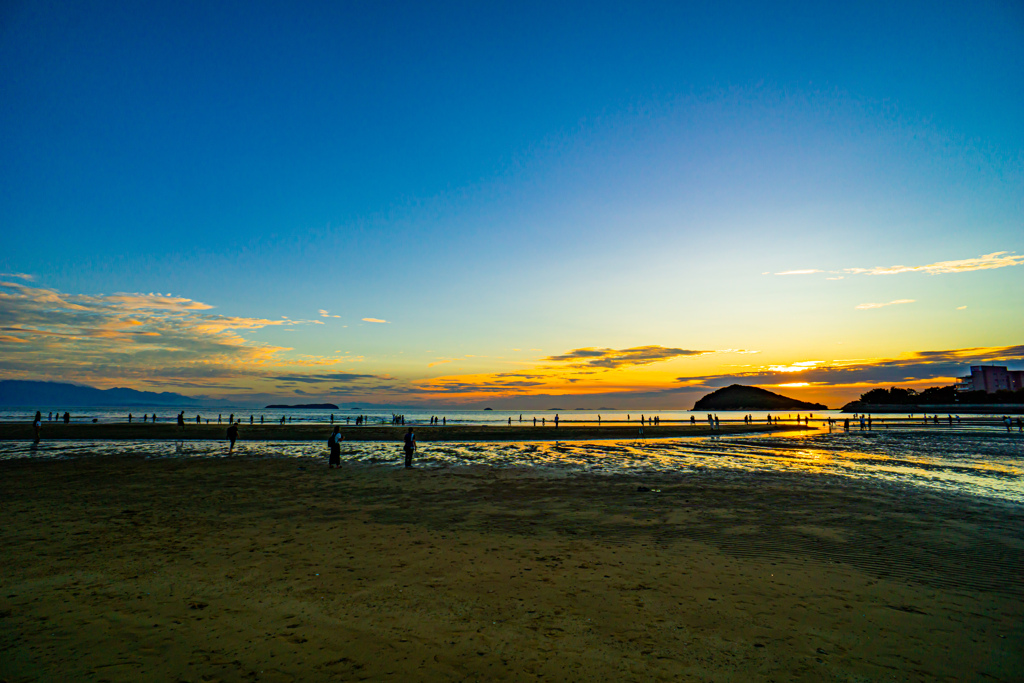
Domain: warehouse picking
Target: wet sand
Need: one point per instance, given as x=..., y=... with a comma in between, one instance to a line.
x=320, y=432
x=125, y=569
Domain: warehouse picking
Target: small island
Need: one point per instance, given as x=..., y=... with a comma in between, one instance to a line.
x=739, y=397
x=315, y=406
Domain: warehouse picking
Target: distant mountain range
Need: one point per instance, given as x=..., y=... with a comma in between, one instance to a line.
x=739, y=397
x=49, y=395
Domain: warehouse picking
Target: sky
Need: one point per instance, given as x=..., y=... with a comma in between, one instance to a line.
x=517, y=205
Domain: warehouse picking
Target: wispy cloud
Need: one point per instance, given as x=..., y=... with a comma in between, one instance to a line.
x=374, y=320
x=621, y=358
x=896, y=302
x=20, y=276
x=327, y=314
x=328, y=377
x=154, y=337
x=997, y=259
x=914, y=367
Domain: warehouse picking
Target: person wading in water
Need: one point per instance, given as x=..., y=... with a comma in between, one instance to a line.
x=409, y=447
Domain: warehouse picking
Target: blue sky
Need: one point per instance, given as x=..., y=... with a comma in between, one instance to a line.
x=506, y=183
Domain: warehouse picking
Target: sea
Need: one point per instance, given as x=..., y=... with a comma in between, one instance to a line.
x=973, y=455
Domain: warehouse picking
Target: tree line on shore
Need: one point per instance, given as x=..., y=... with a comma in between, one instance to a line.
x=937, y=396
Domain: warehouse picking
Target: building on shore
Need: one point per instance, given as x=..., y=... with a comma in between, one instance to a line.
x=990, y=379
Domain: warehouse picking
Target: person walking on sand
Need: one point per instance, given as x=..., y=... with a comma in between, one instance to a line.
x=37, y=425
x=334, y=461
x=232, y=436
x=409, y=447
x=556, y=420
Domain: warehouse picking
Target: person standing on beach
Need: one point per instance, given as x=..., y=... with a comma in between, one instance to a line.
x=37, y=425
x=232, y=436
x=409, y=447
x=334, y=461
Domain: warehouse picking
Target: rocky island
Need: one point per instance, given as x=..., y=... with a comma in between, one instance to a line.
x=739, y=397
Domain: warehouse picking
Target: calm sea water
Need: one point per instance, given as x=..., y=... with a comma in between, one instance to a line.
x=983, y=460
x=416, y=417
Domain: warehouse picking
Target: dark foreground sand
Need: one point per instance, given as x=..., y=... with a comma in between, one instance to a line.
x=126, y=569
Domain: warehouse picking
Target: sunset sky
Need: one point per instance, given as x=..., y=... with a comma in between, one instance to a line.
x=513, y=205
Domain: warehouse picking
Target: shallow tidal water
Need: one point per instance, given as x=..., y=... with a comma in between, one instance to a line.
x=989, y=465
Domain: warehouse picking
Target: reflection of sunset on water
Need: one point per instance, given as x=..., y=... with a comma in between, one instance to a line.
x=986, y=463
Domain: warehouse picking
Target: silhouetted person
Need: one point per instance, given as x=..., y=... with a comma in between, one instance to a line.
x=334, y=443
x=250, y=419
x=129, y=418
x=232, y=436
x=181, y=420
x=67, y=417
x=37, y=425
x=409, y=446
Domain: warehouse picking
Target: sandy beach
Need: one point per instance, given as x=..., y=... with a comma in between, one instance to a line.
x=125, y=568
